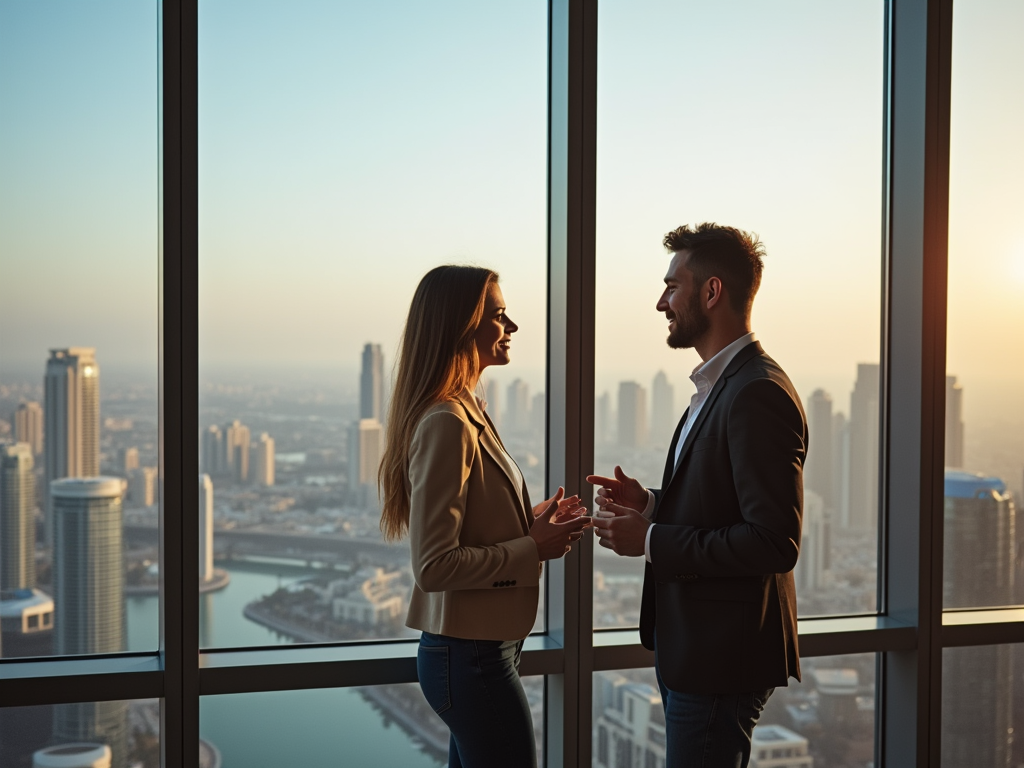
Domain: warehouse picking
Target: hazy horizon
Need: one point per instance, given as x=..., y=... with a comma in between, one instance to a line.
x=334, y=172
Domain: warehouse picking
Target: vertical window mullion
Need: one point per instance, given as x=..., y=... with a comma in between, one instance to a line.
x=179, y=530
x=572, y=134
x=917, y=188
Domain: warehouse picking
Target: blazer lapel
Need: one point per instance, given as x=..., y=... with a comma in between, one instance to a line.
x=670, y=460
x=751, y=350
x=492, y=445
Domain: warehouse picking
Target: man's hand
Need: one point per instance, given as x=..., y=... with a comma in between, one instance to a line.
x=625, y=532
x=620, y=490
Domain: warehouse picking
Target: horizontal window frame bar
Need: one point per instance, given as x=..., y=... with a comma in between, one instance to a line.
x=26, y=683
x=996, y=626
x=114, y=677
x=619, y=649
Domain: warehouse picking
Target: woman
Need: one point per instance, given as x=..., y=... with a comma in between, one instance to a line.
x=477, y=544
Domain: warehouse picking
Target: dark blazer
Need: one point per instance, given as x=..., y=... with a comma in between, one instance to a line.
x=719, y=593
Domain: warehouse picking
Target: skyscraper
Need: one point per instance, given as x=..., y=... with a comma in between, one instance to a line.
x=365, y=444
x=818, y=469
x=864, y=420
x=235, y=456
x=213, y=451
x=17, y=517
x=841, y=468
x=371, y=384
x=205, y=528
x=954, y=424
x=128, y=459
x=142, y=486
x=978, y=571
x=538, y=413
x=517, y=411
x=264, y=474
x=88, y=583
x=663, y=411
x=72, y=419
x=632, y=415
x=602, y=418
x=28, y=426
x=492, y=394
x=812, y=563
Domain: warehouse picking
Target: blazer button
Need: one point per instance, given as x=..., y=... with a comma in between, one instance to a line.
x=513, y=582
x=494, y=584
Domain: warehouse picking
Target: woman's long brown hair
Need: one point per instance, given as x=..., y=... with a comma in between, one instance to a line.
x=437, y=361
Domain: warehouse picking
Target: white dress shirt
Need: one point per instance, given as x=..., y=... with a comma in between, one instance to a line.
x=704, y=377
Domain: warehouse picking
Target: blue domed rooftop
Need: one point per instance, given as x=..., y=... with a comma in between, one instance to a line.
x=971, y=485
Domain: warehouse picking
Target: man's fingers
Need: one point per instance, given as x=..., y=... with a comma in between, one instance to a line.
x=600, y=480
x=620, y=475
x=618, y=509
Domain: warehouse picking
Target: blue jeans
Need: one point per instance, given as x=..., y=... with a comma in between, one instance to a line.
x=474, y=686
x=708, y=730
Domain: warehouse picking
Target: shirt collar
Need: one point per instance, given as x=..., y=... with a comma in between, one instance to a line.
x=706, y=375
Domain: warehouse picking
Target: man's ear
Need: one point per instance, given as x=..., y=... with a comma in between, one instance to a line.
x=714, y=287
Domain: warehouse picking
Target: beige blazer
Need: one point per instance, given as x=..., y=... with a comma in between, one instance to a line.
x=476, y=568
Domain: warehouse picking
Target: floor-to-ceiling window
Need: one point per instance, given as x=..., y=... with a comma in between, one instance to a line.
x=213, y=216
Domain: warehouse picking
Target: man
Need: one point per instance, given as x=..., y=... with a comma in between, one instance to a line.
x=721, y=535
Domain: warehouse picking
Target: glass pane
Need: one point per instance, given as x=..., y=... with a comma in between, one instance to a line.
x=381, y=725
x=346, y=149
x=982, y=706
x=79, y=162
x=105, y=734
x=827, y=720
x=984, y=419
x=770, y=121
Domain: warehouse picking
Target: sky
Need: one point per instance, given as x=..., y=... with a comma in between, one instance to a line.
x=346, y=148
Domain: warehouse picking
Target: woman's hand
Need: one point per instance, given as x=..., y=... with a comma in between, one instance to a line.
x=555, y=529
x=567, y=507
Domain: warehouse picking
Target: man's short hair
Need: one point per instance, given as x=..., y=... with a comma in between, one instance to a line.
x=730, y=254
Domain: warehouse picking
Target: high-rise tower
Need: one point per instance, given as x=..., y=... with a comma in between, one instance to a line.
x=365, y=445
x=205, y=528
x=663, y=411
x=978, y=572
x=492, y=395
x=88, y=583
x=28, y=426
x=72, y=419
x=213, y=451
x=17, y=517
x=954, y=424
x=632, y=415
x=264, y=471
x=371, y=383
x=818, y=472
x=235, y=456
x=864, y=420
x=517, y=407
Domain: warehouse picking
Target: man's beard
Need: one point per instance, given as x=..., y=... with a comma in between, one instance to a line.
x=690, y=326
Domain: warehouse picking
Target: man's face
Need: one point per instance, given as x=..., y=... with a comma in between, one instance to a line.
x=681, y=303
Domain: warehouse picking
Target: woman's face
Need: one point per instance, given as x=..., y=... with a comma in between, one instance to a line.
x=494, y=334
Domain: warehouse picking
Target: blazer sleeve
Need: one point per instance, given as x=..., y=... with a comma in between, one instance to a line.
x=766, y=440
x=441, y=457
